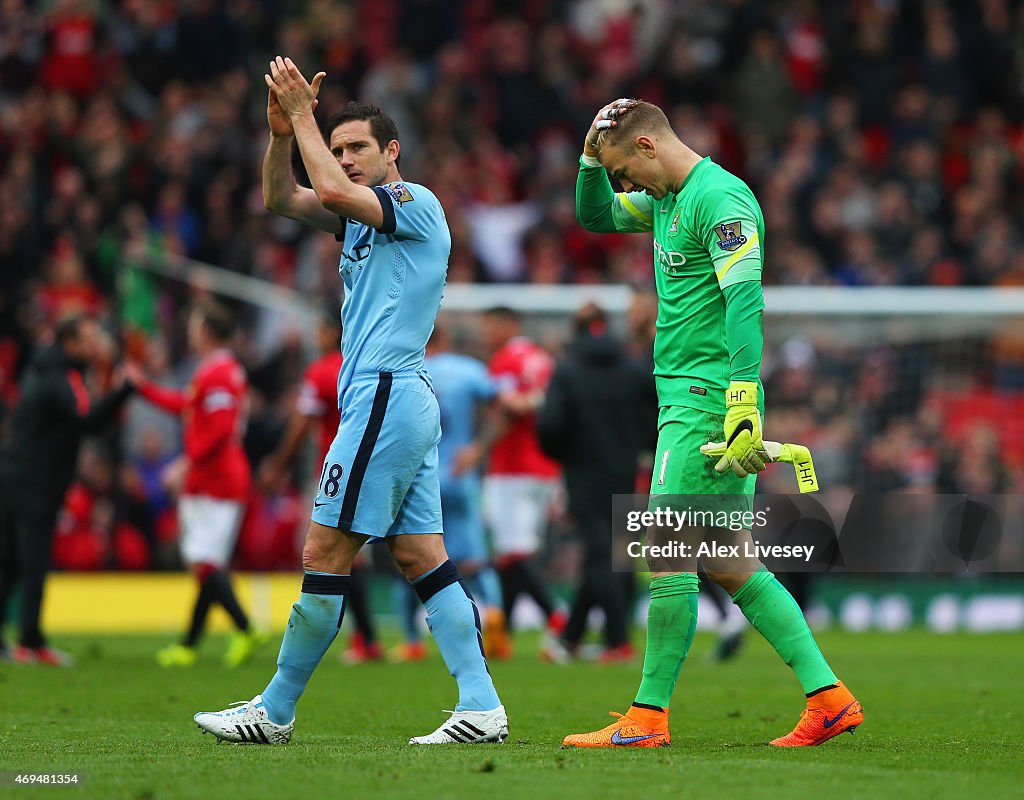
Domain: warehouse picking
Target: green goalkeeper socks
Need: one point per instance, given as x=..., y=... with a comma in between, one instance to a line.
x=671, y=621
x=772, y=610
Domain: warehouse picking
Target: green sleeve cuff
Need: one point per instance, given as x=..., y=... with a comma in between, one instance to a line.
x=594, y=199
x=744, y=329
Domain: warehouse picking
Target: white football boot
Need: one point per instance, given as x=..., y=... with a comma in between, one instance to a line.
x=469, y=727
x=245, y=722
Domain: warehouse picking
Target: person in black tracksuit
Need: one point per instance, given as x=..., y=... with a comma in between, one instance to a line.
x=37, y=464
x=591, y=423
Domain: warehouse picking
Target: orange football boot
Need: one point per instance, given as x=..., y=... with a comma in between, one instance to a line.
x=497, y=643
x=407, y=652
x=638, y=727
x=827, y=714
x=359, y=652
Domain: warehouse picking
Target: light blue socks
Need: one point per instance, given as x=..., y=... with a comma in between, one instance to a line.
x=455, y=623
x=312, y=626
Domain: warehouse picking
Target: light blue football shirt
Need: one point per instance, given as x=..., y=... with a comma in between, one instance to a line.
x=394, y=277
x=460, y=383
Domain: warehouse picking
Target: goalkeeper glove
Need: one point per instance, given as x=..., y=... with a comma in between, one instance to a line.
x=743, y=448
x=800, y=457
x=795, y=454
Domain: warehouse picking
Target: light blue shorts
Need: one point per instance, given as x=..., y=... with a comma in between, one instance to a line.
x=464, y=537
x=380, y=476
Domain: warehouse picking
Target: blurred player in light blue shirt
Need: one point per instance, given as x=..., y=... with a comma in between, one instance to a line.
x=463, y=387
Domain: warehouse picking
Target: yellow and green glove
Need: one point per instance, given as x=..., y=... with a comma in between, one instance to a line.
x=744, y=449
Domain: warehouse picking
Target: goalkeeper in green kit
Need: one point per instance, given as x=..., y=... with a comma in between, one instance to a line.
x=708, y=256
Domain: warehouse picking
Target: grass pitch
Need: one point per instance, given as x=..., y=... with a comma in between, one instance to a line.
x=942, y=720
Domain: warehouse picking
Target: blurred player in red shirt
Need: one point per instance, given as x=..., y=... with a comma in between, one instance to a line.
x=213, y=409
x=520, y=479
x=317, y=406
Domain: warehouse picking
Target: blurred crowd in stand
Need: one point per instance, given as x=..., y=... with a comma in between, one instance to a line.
x=883, y=139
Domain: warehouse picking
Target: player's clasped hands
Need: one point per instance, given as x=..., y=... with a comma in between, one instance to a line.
x=287, y=84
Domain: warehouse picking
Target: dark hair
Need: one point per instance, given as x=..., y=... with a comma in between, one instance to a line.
x=503, y=312
x=68, y=328
x=217, y=320
x=591, y=319
x=382, y=126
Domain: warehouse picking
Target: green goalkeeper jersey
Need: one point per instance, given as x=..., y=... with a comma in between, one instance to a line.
x=707, y=250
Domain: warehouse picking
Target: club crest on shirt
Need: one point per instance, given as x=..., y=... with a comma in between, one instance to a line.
x=674, y=227
x=399, y=192
x=730, y=235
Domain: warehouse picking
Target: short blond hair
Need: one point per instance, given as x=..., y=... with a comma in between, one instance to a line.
x=642, y=119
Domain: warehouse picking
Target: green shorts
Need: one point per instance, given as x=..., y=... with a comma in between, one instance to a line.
x=680, y=469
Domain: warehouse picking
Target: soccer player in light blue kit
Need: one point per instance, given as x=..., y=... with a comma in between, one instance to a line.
x=463, y=386
x=380, y=477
